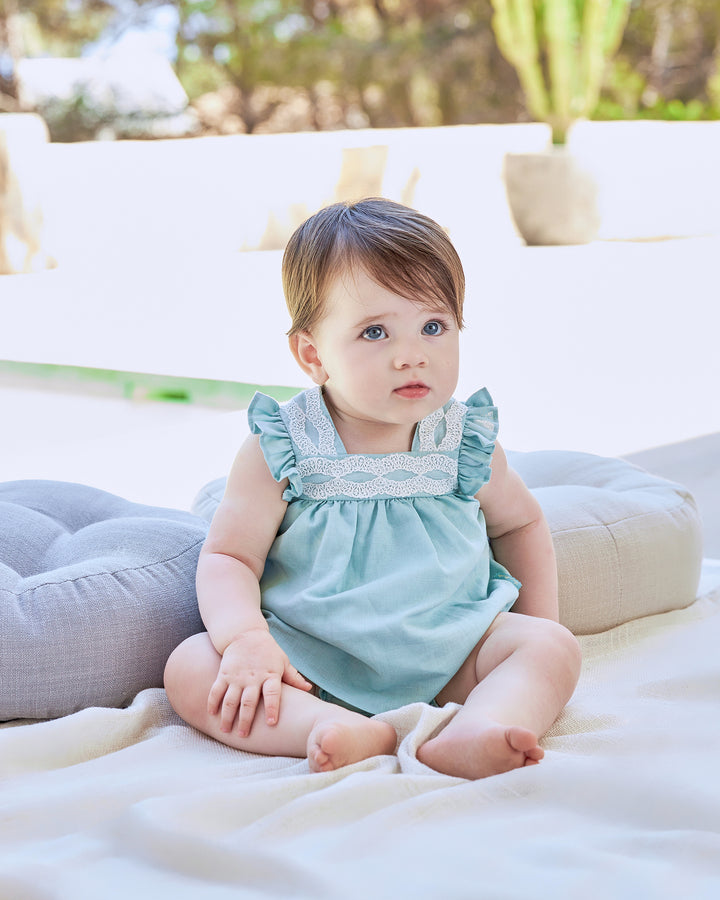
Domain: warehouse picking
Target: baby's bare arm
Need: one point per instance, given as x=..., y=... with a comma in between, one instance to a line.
x=520, y=538
x=229, y=571
x=233, y=556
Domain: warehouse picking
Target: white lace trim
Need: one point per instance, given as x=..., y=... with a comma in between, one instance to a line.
x=296, y=419
x=426, y=430
x=454, y=420
x=321, y=457
x=336, y=470
x=418, y=486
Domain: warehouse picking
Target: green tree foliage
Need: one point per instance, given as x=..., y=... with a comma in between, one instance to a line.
x=376, y=62
x=668, y=66
x=430, y=62
x=383, y=63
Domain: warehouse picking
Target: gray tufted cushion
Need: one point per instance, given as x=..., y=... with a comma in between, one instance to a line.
x=95, y=592
x=628, y=543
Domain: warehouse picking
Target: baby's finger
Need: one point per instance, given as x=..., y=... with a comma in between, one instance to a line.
x=229, y=707
x=216, y=695
x=271, y=698
x=246, y=713
x=292, y=677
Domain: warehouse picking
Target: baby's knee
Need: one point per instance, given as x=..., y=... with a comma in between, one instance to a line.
x=173, y=669
x=180, y=677
x=174, y=676
x=559, y=642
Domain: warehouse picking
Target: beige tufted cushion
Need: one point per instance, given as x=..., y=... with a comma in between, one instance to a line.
x=628, y=544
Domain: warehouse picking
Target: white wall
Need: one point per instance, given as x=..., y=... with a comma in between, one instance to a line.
x=611, y=347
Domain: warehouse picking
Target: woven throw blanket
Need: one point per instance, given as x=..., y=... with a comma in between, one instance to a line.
x=132, y=803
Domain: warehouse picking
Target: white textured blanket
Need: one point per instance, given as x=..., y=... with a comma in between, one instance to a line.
x=132, y=803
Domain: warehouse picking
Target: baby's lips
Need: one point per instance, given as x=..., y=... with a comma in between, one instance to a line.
x=413, y=391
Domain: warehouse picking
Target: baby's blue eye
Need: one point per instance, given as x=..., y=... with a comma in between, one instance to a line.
x=374, y=333
x=433, y=328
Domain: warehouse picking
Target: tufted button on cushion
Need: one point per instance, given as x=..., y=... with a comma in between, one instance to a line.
x=95, y=593
x=628, y=543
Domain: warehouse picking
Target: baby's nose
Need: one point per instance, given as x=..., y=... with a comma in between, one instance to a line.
x=410, y=355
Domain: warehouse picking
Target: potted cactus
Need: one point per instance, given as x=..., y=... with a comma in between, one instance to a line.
x=560, y=50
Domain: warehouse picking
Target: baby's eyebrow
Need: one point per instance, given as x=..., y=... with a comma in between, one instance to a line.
x=429, y=312
x=373, y=320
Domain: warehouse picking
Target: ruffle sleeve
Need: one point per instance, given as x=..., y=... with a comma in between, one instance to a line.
x=478, y=443
x=265, y=419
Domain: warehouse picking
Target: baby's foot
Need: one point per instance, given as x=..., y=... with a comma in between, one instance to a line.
x=479, y=749
x=341, y=741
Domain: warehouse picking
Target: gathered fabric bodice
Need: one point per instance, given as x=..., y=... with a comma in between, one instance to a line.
x=380, y=580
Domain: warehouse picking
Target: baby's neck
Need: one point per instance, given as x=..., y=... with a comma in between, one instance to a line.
x=381, y=443
x=362, y=436
x=368, y=438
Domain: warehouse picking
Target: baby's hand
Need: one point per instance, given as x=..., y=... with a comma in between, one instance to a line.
x=253, y=665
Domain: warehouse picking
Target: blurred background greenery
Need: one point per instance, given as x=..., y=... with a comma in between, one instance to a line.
x=261, y=66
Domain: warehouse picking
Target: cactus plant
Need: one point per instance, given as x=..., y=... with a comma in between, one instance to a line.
x=560, y=49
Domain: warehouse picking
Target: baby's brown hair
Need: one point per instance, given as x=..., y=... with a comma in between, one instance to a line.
x=401, y=249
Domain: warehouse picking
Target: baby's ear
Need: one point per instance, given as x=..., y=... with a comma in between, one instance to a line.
x=304, y=349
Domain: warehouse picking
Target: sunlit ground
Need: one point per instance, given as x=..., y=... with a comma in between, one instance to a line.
x=608, y=348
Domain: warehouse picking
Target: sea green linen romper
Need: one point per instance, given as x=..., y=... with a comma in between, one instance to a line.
x=380, y=580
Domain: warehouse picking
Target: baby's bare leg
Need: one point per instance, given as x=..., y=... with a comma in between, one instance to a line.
x=513, y=687
x=328, y=735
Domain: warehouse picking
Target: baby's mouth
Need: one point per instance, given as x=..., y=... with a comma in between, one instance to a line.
x=415, y=391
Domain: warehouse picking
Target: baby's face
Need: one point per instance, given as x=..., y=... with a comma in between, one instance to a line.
x=387, y=361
